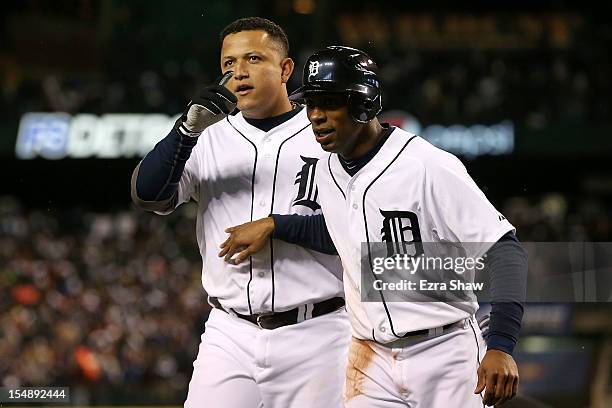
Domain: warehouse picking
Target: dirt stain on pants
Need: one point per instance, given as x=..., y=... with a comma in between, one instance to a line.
x=360, y=357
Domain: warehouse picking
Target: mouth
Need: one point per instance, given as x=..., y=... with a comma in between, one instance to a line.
x=243, y=89
x=324, y=136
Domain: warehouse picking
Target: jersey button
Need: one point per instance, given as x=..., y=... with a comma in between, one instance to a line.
x=382, y=329
x=261, y=274
x=355, y=206
x=262, y=203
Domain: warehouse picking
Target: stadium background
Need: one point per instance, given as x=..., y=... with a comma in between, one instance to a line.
x=106, y=299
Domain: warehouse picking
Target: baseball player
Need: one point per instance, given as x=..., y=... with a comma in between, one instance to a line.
x=381, y=184
x=273, y=338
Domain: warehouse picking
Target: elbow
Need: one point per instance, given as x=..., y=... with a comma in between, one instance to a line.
x=161, y=207
x=134, y=191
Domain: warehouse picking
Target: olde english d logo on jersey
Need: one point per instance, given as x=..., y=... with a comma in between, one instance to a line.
x=401, y=232
x=307, y=190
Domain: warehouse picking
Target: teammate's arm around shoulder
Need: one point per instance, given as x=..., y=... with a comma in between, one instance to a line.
x=160, y=182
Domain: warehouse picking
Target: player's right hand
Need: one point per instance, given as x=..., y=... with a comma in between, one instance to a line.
x=211, y=104
x=248, y=238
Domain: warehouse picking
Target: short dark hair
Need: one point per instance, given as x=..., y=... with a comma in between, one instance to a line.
x=257, y=23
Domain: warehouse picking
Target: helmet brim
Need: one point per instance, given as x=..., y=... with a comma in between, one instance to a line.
x=312, y=89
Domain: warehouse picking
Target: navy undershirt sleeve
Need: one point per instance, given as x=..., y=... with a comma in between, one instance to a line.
x=308, y=231
x=507, y=264
x=160, y=171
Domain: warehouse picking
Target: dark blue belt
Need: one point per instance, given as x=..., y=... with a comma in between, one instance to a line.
x=275, y=320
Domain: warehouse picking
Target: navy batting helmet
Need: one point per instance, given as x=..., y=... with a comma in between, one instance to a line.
x=346, y=70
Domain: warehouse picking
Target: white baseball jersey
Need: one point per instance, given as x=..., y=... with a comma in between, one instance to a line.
x=239, y=173
x=424, y=190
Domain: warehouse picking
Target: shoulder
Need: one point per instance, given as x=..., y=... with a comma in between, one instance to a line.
x=301, y=116
x=298, y=134
x=232, y=126
x=303, y=125
x=223, y=126
x=426, y=160
x=230, y=122
x=428, y=155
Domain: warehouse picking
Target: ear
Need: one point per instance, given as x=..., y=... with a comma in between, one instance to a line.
x=287, y=66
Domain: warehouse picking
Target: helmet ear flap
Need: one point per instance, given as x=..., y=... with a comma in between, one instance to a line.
x=363, y=110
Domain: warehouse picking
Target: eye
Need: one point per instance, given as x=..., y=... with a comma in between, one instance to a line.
x=227, y=63
x=328, y=102
x=332, y=102
x=254, y=58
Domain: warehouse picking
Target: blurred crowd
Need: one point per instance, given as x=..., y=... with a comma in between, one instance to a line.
x=459, y=88
x=139, y=61
x=534, y=89
x=556, y=217
x=116, y=298
x=88, y=298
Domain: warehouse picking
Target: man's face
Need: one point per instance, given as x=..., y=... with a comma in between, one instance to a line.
x=258, y=63
x=333, y=126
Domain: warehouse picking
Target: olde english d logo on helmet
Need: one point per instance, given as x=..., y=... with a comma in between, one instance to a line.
x=307, y=190
x=400, y=230
x=313, y=69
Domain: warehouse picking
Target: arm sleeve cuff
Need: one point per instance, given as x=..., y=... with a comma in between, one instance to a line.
x=281, y=226
x=308, y=231
x=501, y=342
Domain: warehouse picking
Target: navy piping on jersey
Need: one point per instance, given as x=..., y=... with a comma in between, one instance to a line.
x=334, y=178
x=477, y=349
x=365, y=220
x=272, y=205
x=252, y=203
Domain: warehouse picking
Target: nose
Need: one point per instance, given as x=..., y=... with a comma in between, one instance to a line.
x=316, y=115
x=240, y=70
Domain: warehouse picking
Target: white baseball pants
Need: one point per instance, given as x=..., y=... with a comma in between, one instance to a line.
x=240, y=365
x=436, y=373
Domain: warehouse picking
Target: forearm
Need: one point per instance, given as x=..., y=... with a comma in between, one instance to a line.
x=304, y=230
x=507, y=262
x=157, y=177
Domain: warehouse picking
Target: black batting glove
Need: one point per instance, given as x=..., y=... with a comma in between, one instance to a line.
x=210, y=105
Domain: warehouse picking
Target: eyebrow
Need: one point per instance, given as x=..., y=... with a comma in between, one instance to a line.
x=246, y=54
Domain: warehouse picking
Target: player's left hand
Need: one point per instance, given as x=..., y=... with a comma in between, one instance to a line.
x=248, y=238
x=497, y=373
